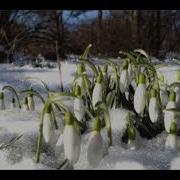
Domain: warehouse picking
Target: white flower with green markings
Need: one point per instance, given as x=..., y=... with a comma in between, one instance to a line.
x=95, y=144
x=78, y=104
x=170, y=115
x=31, y=102
x=140, y=95
x=124, y=78
x=153, y=107
x=98, y=90
x=71, y=139
x=48, y=128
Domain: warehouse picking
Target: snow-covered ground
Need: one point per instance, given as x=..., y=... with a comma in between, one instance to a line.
x=150, y=154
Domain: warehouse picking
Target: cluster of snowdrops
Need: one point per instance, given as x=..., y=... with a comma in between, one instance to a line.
x=135, y=85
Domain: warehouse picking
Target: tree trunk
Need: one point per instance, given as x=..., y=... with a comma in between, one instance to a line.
x=59, y=43
x=99, y=32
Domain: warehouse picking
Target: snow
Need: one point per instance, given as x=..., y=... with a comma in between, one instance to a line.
x=150, y=154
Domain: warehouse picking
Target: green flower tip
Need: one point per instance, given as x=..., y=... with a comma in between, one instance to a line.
x=78, y=91
x=68, y=118
x=105, y=68
x=172, y=96
x=30, y=95
x=48, y=110
x=161, y=78
x=25, y=100
x=100, y=78
x=173, y=128
x=1, y=95
x=131, y=133
x=80, y=69
x=125, y=65
x=178, y=75
x=96, y=126
x=142, y=79
x=153, y=93
x=128, y=60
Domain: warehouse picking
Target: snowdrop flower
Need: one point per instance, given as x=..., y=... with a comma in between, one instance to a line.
x=130, y=72
x=95, y=145
x=98, y=90
x=124, y=79
x=25, y=106
x=78, y=104
x=153, y=107
x=132, y=137
x=171, y=140
x=48, y=129
x=163, y=91
x=31, y=103
x=2, y=103
x=140, y=95
x=71, y=139
x=169, y=115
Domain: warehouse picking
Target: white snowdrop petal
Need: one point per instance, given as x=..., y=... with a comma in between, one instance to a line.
x=47, y=128
x=140, y=98
x=97, y=94
x=124, y=81
x=72, y=143
x=153, y=110
x=78, y=108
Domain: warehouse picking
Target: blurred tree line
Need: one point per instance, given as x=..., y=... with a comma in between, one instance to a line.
x=53, y=33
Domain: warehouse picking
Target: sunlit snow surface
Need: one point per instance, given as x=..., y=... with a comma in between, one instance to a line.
x=150, y=154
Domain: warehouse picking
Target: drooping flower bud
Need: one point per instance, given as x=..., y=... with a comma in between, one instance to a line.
x=140, y=95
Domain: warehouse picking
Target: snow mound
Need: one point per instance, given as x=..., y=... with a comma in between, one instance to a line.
x=128, y=165
x=175, y=164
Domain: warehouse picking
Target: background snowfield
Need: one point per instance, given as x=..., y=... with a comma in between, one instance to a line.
x=150, y=154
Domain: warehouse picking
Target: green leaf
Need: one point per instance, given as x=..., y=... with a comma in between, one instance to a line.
x=92, y=66
x=13, y=90
x=38, y=80
x=85, y=53
x=33, y=92
x=175, y=84
x=141, y=51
